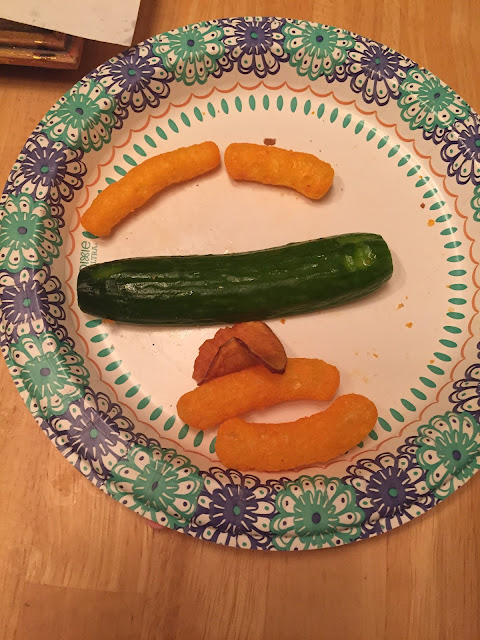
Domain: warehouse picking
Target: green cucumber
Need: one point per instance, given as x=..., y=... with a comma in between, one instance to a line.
x=194, y=290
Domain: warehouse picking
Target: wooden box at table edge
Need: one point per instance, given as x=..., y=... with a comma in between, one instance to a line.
x=31, y=46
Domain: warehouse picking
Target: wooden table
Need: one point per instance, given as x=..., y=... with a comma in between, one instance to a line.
x=75, y=565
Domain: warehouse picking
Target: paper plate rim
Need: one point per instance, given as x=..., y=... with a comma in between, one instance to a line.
x=274, y=514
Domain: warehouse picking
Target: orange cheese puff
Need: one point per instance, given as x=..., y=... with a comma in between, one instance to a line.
x=278, y=447
x=142, y=182
x=256, y=388
x=303, y=172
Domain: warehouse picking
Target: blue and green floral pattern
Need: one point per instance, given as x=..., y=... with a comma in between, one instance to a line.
x=466, y=391
x=48, y=170
x=315, y=512
x=136, y=79
x=461, y=150
x=158, y=483
x=90, y=426
x=30, y=301
x=28, y=234
x=255, y=45
x=376, y=71
x=427, y=103
x=50, y=372
x=192, y=53
x=391, y=490
x=449, y=451
x=93, y=434
x=233, y=509
x=317, y=50
x=83, y=117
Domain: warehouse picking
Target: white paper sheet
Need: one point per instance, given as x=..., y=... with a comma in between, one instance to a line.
x=104, y=20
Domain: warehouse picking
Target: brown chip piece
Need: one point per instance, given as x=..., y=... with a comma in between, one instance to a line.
x=232, y=356
x=263, y=343
x=255, y=344
x=208, y=351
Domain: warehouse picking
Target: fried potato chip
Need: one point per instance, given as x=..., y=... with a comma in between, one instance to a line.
x=257, y=388
x=231, y=356
x=119, y=199
x=303, y=172
x=277, y=447
x=255, y=344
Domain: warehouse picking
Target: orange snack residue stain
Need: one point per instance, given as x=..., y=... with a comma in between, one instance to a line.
x=375, y=355
x=400, y=306
x=431, y=222
x=409, y=325
x=282, y=320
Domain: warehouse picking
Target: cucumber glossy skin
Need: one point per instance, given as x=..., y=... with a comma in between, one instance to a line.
x=207, y=289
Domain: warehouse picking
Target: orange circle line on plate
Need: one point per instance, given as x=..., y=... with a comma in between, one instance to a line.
x=296, y=90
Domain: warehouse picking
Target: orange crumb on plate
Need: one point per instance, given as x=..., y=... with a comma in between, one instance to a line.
x=409, y=325
x=431, y=222
x=282, y=320
x=400, y=306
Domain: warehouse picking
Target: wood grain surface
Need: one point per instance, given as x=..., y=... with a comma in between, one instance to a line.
x=76, y=565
